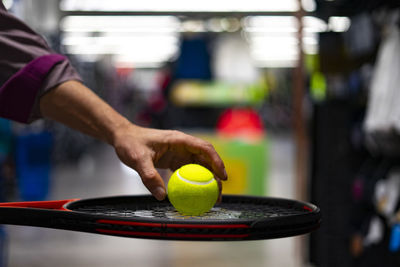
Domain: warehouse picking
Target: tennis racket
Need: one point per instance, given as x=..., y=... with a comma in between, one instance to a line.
x=235, y=218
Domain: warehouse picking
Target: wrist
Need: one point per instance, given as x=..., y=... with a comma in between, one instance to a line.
x=117, y=132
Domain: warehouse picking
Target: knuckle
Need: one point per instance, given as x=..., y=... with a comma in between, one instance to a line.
x=136, y=156
x=175, y=132
x=208, y=146
x=149, y=175
x=173, y=135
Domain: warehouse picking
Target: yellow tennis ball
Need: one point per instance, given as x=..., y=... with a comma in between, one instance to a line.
x=192, y=190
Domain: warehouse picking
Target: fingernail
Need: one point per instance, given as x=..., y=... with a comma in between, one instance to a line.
x=159, y=193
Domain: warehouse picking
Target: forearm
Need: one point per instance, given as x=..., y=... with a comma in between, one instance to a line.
x=143, y=149
x=76, y=106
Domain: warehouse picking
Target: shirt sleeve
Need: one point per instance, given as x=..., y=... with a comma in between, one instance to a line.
x=28, y=69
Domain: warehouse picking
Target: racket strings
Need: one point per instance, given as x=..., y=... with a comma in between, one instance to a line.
x=164, y=210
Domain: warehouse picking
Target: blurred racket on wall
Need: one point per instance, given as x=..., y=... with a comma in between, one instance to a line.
x=235, y=218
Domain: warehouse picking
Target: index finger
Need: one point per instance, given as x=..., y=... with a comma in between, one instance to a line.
x=205, y=154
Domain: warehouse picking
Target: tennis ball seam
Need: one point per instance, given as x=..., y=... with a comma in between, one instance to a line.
x=193, y=182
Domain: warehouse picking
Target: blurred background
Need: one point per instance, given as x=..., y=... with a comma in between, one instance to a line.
x=297, y=96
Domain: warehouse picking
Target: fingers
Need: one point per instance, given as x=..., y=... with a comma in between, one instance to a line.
x=151, y=178
x=220, y=190
x=206, y=155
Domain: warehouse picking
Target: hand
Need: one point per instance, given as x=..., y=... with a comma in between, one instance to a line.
x=142, y=149
x=145, y=149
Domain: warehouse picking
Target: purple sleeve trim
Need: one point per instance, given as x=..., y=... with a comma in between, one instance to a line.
x=18, y=94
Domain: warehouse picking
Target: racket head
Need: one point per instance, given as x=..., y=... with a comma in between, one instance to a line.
x=235, y=218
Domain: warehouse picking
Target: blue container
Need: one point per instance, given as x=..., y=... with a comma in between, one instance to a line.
x=394, y=243
x=33, y=165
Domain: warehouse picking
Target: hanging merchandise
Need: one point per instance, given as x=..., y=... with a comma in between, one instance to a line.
x=318, y=86
x=387, y=194
x=387, y=202
x=194, y=61
x=375, y=232
x=360, y=38
x=239, y=68
x=382, y=123
x=367, y=225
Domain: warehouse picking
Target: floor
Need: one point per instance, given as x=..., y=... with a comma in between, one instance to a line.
x=101, y=174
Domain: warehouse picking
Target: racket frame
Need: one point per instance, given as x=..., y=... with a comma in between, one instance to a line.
x=60, y=214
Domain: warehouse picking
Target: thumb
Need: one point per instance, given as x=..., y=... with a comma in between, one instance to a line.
x=151, y=178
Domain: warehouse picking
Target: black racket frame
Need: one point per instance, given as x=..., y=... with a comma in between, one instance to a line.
x=170, y=229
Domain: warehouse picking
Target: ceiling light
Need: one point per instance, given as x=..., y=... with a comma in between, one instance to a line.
x=309, y=5
x=120, y=24
x=339, y=24
x=179, y=5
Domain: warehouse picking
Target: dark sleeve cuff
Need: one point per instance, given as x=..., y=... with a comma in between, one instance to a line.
x=60, y=73
x=19, y=94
